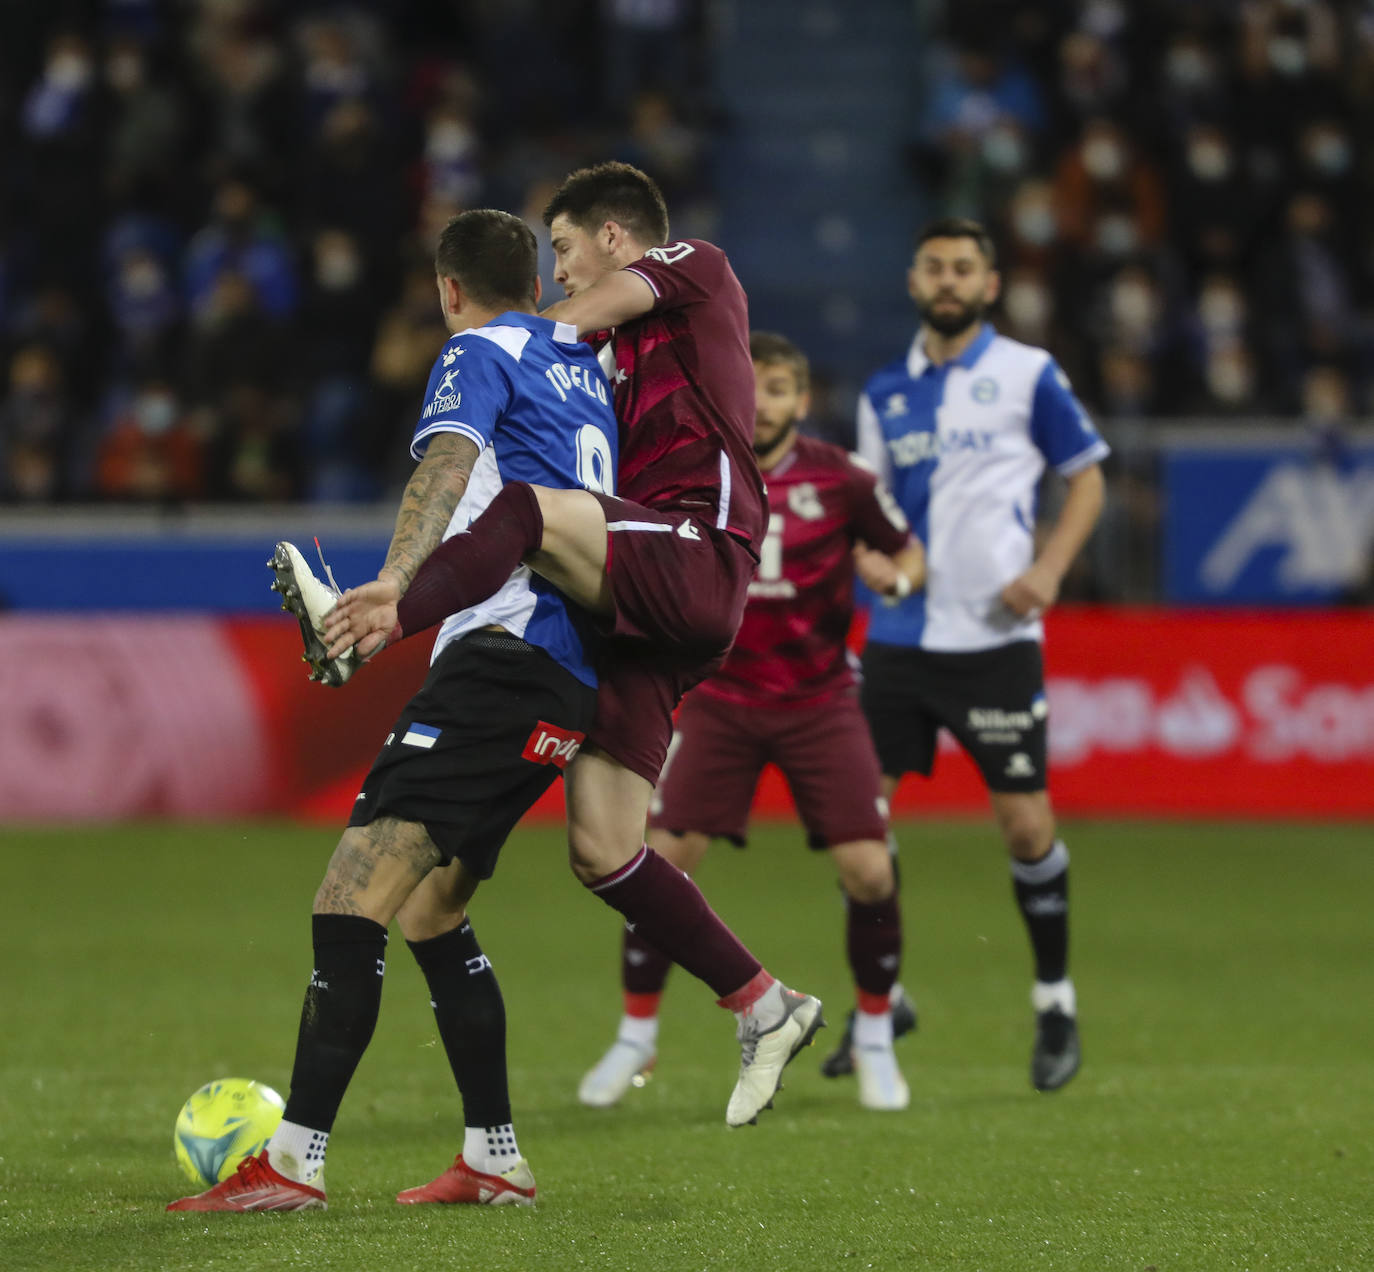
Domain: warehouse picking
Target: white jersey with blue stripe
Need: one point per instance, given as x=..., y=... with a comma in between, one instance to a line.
x=962, y=446
x=531, y=396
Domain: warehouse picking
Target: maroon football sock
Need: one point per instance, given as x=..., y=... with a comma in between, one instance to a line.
x=666, y=907
x=873, y=938
x=643, y=967
x=471, y=566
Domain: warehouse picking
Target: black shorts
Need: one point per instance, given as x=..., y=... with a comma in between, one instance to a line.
x=991, y=700
x=495, y=722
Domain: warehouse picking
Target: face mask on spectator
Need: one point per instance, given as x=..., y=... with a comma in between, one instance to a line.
x=1103, y=159
x=1027, y=304
x=1228, y=376
x=141, y=277
x=1287, y=55
x=1187, y=67
x=1209, y=160
x=1221, y=308
x=124, y=71
x=337, y=270
x=1116, y=234
x=1003, y=149
x=1328, y=152
x=69, y=70
x=155, y=413
x=448, y=140
x=1133, y=307
x=1035, y=224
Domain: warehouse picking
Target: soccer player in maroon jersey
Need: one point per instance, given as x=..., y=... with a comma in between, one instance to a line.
x=786, y=694
x=664, y=568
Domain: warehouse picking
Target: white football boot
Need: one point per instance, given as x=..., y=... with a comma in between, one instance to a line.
x=624, y=1065
x=764, y=1054
x=881, y=1085
x=303, y=595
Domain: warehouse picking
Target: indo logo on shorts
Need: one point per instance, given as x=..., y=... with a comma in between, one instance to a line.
x=549, y=744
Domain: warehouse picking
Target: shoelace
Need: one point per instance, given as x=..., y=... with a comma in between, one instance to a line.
x=324, y=565
x=249, y=1168
x=749, y=1043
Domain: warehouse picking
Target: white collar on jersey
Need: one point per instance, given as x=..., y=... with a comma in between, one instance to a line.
x=917, y=362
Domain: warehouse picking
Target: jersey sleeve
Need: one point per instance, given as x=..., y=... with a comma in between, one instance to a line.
x=874, y=515
x=681, y=273
x=469, y=390
x=868, y=439
x=1060, y=427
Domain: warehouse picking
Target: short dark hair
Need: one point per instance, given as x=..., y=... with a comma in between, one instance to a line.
x=769, y=348
x=615, y=192
x=958, y=227
x=493, y=255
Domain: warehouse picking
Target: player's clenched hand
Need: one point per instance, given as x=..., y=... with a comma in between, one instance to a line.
x=364, y=617
x=1033, y=593
x=876, y=569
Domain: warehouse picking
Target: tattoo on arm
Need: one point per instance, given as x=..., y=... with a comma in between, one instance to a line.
x=428, y=502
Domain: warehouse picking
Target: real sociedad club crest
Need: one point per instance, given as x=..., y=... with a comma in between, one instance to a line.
x=984, y=390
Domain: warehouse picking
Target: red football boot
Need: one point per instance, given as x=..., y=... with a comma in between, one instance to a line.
x=256, y=1186
x=461, y=1185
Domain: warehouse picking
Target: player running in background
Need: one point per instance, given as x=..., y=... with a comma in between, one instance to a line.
x=665, y=568
x=510, y=693
x=962, y=428
x=787, y=694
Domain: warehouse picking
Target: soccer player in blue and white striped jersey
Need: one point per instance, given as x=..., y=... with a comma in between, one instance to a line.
x=962, y=428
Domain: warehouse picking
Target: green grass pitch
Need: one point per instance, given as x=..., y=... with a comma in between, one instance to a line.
x=1222, y=1119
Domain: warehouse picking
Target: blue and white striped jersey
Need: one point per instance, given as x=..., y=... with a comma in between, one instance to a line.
x=531, y=395
x=962, y=447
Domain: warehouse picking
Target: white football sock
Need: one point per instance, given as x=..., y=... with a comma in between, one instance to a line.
x=766, y=1011
x=641, y=1031
x=490, y=1149
x=873, y=1030
x=1048, y=994
x=298, y=1153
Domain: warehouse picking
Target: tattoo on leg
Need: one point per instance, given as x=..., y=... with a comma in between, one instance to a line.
x=364, y=850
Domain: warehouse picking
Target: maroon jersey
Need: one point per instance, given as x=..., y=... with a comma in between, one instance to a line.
x=684, y=392
x=791, y=644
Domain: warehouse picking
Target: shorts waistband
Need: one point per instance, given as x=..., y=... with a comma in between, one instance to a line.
x=499, y=640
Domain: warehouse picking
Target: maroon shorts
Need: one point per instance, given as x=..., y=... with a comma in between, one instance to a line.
x=678, y=587
x=824, y=751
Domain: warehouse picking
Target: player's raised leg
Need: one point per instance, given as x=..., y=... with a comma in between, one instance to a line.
x=373, y=869
x=1040, y=881
x=560, y=534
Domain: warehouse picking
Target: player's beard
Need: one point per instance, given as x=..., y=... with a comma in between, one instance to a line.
x=952, y=322
x=767, y=448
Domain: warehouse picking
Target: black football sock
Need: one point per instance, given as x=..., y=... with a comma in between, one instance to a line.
x=338, y=1017
x=1042, y=892
x=471, y=1016
x=873, y=940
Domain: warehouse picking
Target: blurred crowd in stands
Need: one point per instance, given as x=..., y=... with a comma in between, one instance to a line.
x=1177, y=189
x=216, y=216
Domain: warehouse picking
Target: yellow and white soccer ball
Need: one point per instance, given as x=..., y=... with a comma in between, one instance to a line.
x=221, y=1124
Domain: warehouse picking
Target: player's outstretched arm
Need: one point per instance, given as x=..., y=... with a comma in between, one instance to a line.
x=427, y=504
x=1038, y=588
x=617, y=297
x=365, y=616
x=894, y=576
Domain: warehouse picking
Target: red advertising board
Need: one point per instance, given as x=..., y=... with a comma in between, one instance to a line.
x=1151, y=713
